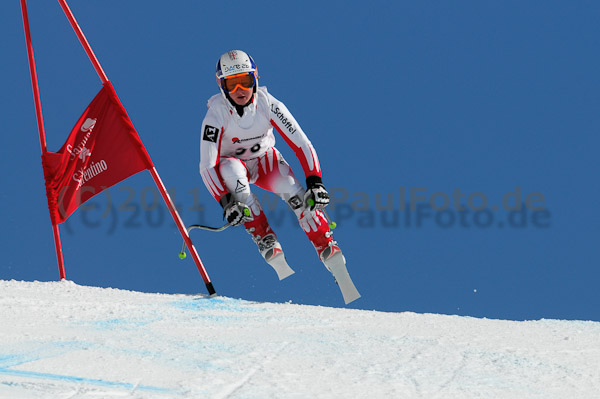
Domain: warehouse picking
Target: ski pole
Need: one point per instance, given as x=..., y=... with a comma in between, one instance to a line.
x=332, y=224
x=182, y=254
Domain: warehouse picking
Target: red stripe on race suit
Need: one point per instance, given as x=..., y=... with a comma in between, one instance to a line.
x=220, y=192
x=300, y=154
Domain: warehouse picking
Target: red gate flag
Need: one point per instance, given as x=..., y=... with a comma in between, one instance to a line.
x=102, y=150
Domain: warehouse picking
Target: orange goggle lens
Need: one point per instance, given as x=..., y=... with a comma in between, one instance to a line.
x=245, y=81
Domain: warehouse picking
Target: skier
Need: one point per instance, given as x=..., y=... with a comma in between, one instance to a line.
x=238, y=149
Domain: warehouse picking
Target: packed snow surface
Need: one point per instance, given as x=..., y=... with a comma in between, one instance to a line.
x=62, y=340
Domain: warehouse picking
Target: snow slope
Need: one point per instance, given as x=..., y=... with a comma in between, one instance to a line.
x=61, y=340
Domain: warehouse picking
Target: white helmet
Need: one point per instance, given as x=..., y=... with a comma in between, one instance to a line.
x=235, y=62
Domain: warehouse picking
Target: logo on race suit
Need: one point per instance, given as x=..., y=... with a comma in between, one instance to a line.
x=283, y=119
x=80, y=151
x=211, y=134
x=240, y=187
x=237, y=140
x=295, y=202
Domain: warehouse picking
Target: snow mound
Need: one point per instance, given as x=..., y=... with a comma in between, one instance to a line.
x=62, y=340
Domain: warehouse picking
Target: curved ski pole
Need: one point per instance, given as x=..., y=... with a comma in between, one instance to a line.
x=332, y=224
x=182, y=254
x=208, y=228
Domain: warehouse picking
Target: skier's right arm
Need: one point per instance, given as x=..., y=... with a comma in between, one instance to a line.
x=210, y=146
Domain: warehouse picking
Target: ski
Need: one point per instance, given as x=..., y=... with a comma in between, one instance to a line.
x=336, y=264
x=278, y=262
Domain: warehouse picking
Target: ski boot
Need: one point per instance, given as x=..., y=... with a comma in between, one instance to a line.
x=268, y=245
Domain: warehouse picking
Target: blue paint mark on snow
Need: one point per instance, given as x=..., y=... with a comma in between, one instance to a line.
x=117, y=324
x=90, y=381
x=12, y=360
x=53, y=349
x=31, y=352
x=218, y=303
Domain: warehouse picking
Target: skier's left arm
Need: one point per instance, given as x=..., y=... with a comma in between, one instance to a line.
x=287, y=126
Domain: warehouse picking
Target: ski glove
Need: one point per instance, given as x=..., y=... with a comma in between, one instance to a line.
x=234, y=211
x=316, y=196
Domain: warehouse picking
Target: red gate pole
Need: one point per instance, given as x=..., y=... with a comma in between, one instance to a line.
x=40, y=123
x=83, y=40
x=183, y=231
x=153, y=172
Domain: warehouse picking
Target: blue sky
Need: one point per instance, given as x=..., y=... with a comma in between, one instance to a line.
x=471, y=100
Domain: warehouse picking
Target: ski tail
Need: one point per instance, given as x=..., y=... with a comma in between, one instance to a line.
x=335, y=262
x=277, y=261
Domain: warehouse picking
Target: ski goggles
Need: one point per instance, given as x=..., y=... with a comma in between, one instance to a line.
x=244, y=81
